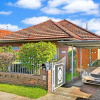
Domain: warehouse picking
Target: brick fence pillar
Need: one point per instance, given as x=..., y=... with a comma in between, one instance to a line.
x=49, y=81
x=46, y=79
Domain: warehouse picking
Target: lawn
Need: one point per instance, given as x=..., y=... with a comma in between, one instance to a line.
x=68, y=75
x=31, y=92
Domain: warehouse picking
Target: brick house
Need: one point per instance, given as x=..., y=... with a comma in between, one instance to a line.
x=53, y=32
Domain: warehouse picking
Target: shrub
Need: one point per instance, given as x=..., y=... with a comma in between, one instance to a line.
x=36, y=53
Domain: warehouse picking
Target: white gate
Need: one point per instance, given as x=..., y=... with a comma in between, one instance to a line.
x=58, y=73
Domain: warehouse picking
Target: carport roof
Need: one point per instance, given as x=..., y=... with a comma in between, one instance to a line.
x=83, y=43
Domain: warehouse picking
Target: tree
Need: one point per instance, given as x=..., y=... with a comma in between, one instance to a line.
x=36, y=53
x=45, y=51
x=6, y=57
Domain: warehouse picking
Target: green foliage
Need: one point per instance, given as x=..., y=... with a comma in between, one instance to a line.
x=36, y=53
x=27, y=54
x=70, y=53
x=74, y=57
x=31, y=92
x=6, y=49
x=6, y=57
x=68, y=75
x=1, y=49
x=45, y=51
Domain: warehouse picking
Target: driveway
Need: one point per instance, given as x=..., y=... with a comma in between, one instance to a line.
x=87, y=88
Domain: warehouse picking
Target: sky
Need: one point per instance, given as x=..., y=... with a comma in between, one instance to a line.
x=19, y=14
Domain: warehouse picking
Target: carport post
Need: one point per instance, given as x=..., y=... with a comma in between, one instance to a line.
x=90, y=56
x=80, y=61
x=72, y=65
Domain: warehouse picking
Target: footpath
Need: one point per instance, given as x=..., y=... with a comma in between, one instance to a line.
x=61, y=93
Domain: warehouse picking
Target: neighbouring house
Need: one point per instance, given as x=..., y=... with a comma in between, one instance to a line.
x=53, y=32
x=4, y=32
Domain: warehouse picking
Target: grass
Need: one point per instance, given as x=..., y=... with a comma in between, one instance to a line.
x=68, y=75
x=31, y=92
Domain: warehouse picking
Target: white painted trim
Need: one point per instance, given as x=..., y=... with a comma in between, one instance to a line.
x=98, y=53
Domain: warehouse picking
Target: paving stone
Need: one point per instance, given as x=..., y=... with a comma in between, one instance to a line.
x=72, y=91
x=76, y=92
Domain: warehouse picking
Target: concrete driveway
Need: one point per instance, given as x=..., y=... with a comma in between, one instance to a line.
x=94, y=90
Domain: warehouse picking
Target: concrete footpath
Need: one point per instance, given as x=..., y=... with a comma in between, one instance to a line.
x=49, y=96
x=9, y=96
x=59, y=94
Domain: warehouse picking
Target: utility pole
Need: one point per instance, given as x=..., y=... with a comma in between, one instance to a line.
x=7, y=27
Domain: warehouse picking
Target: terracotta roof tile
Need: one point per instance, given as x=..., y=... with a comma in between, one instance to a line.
x=78, y=31
x=51, y=30
x=4, y=33
x=47, y=29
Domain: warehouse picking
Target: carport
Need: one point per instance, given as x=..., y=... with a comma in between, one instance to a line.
x=86, y=44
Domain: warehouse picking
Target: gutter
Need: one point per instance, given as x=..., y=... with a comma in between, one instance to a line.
x=29, y=40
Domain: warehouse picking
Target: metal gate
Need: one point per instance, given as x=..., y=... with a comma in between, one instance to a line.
x=58, y=73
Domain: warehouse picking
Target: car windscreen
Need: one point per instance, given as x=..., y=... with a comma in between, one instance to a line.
x=95, y=63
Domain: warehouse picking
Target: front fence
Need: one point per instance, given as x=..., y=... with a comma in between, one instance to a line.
x=16, y=67
x=44, y=79
x=17, y=74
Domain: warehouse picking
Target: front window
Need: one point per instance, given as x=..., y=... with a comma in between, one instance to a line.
x=56, y=55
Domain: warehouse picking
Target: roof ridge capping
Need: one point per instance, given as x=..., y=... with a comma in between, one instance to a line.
x=35, y=25
x=67, y=31
x=24, y=29
x=80, y=27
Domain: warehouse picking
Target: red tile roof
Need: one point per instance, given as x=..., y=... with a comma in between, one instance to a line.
x=4, y=33
x=51, y=30
x=45, y=30
x=78, y=31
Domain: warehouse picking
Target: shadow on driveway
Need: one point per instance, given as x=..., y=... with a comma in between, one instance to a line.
x=94, y=90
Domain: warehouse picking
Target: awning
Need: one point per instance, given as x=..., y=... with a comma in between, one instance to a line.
x=89, y=44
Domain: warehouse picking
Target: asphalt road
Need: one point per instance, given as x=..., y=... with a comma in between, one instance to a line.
x=87, y=88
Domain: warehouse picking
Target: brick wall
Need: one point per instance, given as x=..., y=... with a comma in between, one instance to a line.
x=62, y=54
x=43, y=80
x=86, y=56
